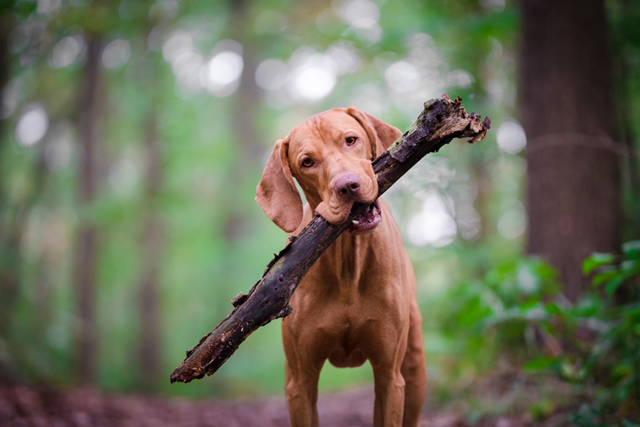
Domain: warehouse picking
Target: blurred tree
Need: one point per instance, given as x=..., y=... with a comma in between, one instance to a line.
x=87, y=240
x=568, y=111
x=152, y=251
x=8, y=263
x=13, y=217
x=245, y=116
x=624, y=16
x=152, y=245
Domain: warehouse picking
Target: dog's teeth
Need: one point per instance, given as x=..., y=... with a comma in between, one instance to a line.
x=355, y=221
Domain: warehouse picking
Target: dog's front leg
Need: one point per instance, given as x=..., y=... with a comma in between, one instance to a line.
x=301, y=386
x=305, y=356
x=386, y=348
x=389, y=404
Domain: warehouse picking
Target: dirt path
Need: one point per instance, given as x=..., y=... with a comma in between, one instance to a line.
x=22, y=406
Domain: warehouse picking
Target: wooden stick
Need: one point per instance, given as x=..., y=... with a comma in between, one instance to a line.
x=440, y=122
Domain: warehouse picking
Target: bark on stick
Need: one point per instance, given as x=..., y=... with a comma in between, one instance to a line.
x=441, y=121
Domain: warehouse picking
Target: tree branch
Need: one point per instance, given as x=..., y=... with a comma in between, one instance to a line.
x=440, y=122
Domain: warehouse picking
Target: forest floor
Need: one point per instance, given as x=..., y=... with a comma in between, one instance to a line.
x=500, y=403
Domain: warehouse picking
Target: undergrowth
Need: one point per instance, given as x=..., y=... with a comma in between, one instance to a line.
x=517, y=313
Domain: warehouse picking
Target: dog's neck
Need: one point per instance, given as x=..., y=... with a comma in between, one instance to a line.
x=349, y=256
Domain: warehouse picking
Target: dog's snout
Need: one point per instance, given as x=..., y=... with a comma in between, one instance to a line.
x=347, y=185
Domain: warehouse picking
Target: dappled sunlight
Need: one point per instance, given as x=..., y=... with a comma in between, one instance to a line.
x=223, y=72
x=69, y=50
x=219, y=74
x=362, y=16
x=48, y=6
x=513, y=222
x=372, y=98
x=9, y=98
x=493, y=5
x=434, y=224
x=59, y=148
x=511, y=137
x=402, y=77
x=308, y=77
x=26, y=38
x=123, y=175
x=116, y=54
x=269, y=22
x=436, y=204
x=311, y=82
x=271, y=74
x=422, y=75
x=32, y=125
x=467, y=217
x=498, y=64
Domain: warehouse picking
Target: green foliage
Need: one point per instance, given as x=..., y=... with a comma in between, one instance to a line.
x=19, y=7
x=517, y=311
x=484, y=318
x=598, y=339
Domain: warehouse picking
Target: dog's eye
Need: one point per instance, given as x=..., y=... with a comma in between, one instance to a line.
x=307, y=163
x=351, y=140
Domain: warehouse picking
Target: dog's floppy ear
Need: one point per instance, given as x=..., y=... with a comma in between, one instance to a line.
x=276, y=194
x=381, y=135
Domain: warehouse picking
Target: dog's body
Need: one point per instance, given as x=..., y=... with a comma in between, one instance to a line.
x=358, y=301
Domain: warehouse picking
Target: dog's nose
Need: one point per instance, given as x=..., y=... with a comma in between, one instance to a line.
x=347, y=185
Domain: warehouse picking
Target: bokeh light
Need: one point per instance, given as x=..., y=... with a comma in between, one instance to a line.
x=270, y=21
x=59, y=147
x=271, y=74
x=116, y=54
x=511, y=137
x=513, y=223
x=362, y=16
x=67, y=51
x=32, y=125
x=123, y=175
x=48, y=6
x=9, y=98
x=224, y=68
x=434, y=224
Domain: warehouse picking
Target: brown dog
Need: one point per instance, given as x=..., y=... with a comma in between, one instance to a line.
x=358, y=301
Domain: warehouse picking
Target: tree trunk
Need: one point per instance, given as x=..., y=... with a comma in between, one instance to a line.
x=568, y=115
x=9, y=237
x=149, y=290
x=245, y=114
x=628, y=13
x=87, y=244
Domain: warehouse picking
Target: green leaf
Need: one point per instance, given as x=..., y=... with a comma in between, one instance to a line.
x=552, y=308
x=630, y=266
x=596, y=260
x=601, y=278
x=627, y=423
x=540, y=363
x=613, y=284
x=632, y=248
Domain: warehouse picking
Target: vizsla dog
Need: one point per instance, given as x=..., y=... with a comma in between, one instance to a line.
x=358, y=301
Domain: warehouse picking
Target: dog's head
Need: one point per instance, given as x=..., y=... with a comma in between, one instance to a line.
x=330, y=156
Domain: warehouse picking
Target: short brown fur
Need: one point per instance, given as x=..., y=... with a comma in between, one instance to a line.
x=358, y=301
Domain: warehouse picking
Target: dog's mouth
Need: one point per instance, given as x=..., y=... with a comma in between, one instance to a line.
x=366, y=221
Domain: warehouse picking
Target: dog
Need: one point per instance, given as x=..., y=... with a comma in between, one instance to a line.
x=358, y=301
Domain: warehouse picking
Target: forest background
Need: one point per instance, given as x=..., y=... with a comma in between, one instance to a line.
x=133, y=134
